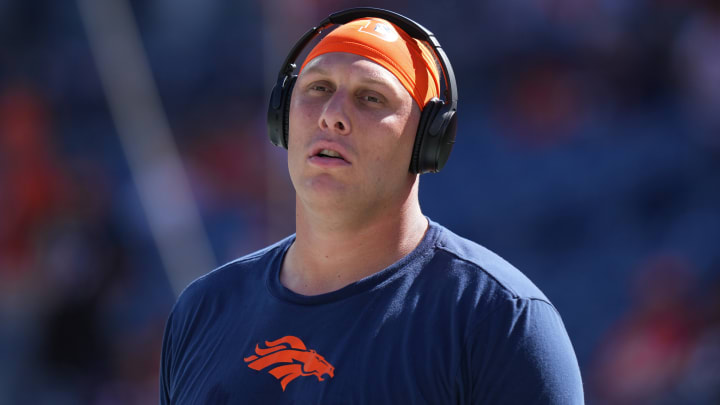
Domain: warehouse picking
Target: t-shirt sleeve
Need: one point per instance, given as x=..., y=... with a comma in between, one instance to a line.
x=165, y=367
x=521, y=354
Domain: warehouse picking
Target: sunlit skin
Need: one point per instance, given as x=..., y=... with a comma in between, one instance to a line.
x=357, y=214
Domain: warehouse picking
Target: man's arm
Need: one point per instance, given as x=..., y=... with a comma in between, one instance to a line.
x=521, y=354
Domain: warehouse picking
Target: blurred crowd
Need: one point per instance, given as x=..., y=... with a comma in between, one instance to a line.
x=588, y=155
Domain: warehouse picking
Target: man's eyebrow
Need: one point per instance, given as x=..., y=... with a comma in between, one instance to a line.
x=316, y=69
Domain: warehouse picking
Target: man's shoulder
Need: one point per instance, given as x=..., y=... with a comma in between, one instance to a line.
x=486, y=265
x=249, y=269
x=516, y=332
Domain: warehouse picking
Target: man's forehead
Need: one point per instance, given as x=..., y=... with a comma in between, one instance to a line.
x=361, y=67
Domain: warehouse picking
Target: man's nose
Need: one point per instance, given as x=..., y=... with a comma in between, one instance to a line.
x=334, y=117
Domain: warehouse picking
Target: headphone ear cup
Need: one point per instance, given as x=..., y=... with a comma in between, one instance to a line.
x=435, y=137
x=445, y=138
x=286, y=109
x=279, y=110
x=417, y=162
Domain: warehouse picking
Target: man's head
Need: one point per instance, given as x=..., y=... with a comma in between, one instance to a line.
x=354, y=114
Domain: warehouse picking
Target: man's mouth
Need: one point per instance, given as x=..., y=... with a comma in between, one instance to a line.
x=329, y=153
x=328, y=158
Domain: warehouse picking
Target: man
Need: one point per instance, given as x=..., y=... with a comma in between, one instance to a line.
x=369, y=302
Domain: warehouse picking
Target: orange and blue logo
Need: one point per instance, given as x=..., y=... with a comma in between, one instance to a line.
x=289, y=359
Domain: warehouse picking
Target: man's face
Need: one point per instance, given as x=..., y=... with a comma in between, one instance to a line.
x=352, y=129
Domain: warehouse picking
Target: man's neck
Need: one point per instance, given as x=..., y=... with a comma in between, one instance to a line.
x=329, y=253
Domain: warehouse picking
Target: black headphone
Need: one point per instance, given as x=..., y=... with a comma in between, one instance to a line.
x=438, y=121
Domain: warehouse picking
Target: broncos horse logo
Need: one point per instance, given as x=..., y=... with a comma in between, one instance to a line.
x=289, y=359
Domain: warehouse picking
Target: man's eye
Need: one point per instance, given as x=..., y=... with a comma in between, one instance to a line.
x=319, y=87
x=371, y=98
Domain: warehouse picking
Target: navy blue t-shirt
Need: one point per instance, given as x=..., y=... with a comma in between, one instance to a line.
x=450, y=323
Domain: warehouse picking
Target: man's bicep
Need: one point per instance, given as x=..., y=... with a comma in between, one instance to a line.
x=522, y=354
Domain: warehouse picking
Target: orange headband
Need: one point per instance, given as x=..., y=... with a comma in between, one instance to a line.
x=392, y=48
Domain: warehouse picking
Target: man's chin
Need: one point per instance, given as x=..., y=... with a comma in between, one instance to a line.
x=326, y=192
x=325, y=189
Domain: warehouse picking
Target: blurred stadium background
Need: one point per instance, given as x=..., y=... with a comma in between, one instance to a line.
x=133, y=158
